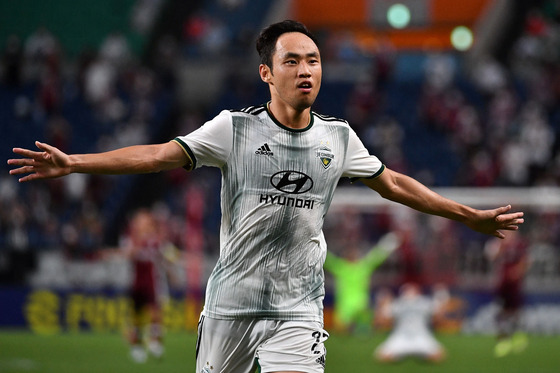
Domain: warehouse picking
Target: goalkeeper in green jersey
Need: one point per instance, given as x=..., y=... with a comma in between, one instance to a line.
x=352, y=284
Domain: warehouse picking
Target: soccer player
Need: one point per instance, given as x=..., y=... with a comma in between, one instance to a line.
x=280, y=164
x=151, y=256
x=511, y=259
x=352, y=284
x=412, y=314
x=147, y=252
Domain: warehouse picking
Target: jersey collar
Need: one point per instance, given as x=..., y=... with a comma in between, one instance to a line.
x=309, y=125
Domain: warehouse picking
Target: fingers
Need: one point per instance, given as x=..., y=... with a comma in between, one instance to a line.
x=22, y=170
x=25, y=170
x=26, y=164
x=31, y=170
x=43, y=146
x=511, y=224
x=505, y=221
x=511, y=227
x=501, y=217
x=28, y=167
x=27, y=153
x=515, y=215
x=39, y=165
x=20, y=162
x=502, y=210
x=28, y=178
x=518, y=221
x=516, y=218
x=499, y=234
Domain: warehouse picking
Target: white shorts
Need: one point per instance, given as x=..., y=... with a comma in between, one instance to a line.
x=401, y=345
x=241, y=346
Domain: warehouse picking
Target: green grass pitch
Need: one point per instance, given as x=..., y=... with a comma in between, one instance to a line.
x=88, y=352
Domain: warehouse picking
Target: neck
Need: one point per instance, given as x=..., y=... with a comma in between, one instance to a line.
x=290, y=117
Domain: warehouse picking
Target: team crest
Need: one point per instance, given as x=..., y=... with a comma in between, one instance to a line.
x=326, y=156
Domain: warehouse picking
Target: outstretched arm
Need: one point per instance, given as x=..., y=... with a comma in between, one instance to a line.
x=50, y=162
x=403, y=189
x=382, y=250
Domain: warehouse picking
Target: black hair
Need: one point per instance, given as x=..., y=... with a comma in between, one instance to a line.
x=266, y=42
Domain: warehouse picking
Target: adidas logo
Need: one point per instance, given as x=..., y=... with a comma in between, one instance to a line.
x=264, y=150
x=321, y=360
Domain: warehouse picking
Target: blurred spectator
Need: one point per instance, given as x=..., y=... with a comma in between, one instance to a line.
x=165, y=60
x=50, y=91
x=384, y=56
x=409, y=255
x=363, y=104
x=205, y=35
x=115, y=50
x=58, y=131
x=514, y=160
x=216, y=37
x=489, y=75
x=144, y=15
x=439, y=72
x=501, y=113
x=12, y=61
x=481, y=170
x=537, y=137
x=42, y=52
x=100, y=81
x=386, y=137
x=231, y=4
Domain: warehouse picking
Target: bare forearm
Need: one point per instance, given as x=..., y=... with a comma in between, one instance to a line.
x=50, y=162
x=407, y=191
x=130, y=160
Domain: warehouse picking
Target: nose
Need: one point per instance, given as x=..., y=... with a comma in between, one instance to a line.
x=304, y=70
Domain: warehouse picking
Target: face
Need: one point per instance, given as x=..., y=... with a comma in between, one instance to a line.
x=296, y=76
x=143, y=227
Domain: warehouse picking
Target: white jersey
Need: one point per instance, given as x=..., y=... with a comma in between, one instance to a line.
x=412, y=315
x=277, y=185
x=411, y=335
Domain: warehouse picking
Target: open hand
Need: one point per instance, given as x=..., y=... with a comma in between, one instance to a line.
x=45, y=164
x=492, y=222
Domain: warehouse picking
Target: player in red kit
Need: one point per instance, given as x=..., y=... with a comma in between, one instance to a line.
x=510, y=256
x=148, y=252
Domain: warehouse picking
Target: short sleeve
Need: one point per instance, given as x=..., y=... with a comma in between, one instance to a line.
x=211, y=144
x=359, y=163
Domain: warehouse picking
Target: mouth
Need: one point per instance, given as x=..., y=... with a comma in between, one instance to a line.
x=305, y=87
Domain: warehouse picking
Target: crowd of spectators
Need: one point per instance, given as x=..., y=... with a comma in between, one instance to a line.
x=498, y=121
x=500, y=125
x=96, y=101
x=497, y=125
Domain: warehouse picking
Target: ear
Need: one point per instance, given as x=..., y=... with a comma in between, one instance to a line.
x=265, y=73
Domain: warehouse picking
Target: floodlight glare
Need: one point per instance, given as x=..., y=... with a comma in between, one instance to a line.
x=462, y=38
x=398, y=16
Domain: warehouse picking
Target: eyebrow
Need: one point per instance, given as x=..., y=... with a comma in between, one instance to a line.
x=297, y=55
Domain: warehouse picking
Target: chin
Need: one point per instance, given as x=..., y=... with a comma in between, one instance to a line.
x=304, y=104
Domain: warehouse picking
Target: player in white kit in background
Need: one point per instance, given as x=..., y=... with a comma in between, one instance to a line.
x=412, y=336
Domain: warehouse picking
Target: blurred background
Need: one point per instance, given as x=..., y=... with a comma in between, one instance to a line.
x=463, y=96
